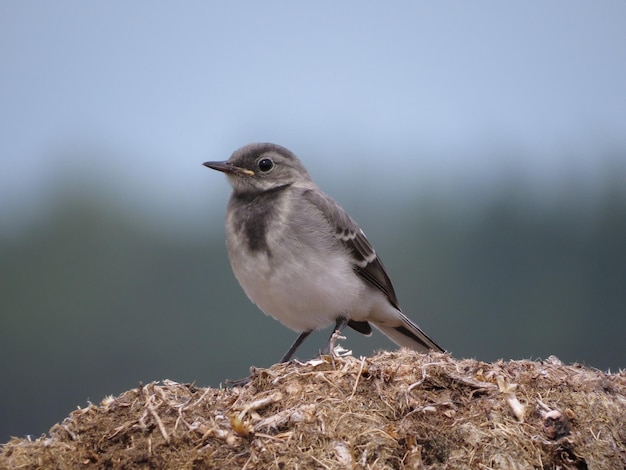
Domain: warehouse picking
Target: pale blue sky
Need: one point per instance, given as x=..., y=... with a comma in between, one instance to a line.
x=137, y=94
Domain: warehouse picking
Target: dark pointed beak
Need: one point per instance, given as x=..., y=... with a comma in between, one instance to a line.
x=228, y=168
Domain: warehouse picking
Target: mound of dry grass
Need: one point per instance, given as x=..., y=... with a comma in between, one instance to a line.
x=392, y=410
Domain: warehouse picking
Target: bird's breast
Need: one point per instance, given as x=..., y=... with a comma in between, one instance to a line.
x=297, y=274
x=251, y=214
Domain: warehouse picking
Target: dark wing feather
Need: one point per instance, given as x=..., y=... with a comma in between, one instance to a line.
x=362, y=327
x=366, y=262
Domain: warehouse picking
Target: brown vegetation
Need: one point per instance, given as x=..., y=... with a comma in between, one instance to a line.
x=392, y=410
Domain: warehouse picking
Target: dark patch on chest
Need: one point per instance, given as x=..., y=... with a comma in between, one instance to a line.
x=253, y=214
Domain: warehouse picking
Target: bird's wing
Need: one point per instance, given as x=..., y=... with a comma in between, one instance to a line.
x=366, y=262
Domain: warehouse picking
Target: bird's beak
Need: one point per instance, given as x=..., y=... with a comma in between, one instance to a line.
x=228, y=168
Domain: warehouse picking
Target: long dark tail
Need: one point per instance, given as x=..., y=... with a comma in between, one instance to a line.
x=409, y=335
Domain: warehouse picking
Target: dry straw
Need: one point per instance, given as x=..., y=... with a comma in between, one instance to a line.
x=392, y=410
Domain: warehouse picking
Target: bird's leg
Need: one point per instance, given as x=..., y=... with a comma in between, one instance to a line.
x=296, y=344
x=340, y=324
x=286, y=357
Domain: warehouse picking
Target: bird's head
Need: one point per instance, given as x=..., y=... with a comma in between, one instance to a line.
x=261, y=167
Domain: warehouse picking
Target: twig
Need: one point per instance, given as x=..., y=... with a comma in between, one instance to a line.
x=156, y=417
x=358, y=376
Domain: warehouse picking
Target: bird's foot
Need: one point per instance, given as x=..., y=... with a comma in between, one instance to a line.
x=329, y=349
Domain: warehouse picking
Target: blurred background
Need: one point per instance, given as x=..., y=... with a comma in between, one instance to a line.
x=482, y=147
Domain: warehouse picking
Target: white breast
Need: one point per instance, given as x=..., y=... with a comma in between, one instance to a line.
x=306, y=281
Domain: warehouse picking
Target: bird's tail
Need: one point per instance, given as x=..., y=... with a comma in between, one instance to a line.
x=409, y=335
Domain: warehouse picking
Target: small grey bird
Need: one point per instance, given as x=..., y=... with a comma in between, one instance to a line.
x=300, y=257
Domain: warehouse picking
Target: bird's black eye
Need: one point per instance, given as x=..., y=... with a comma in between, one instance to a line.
x=265, y=165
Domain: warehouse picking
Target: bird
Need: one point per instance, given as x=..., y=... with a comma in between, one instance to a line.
x=301, y=258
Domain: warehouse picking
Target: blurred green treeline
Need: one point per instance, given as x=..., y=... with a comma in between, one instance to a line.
x=95, y=300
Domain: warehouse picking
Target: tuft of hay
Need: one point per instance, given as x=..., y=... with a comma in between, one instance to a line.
x=393, y=410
